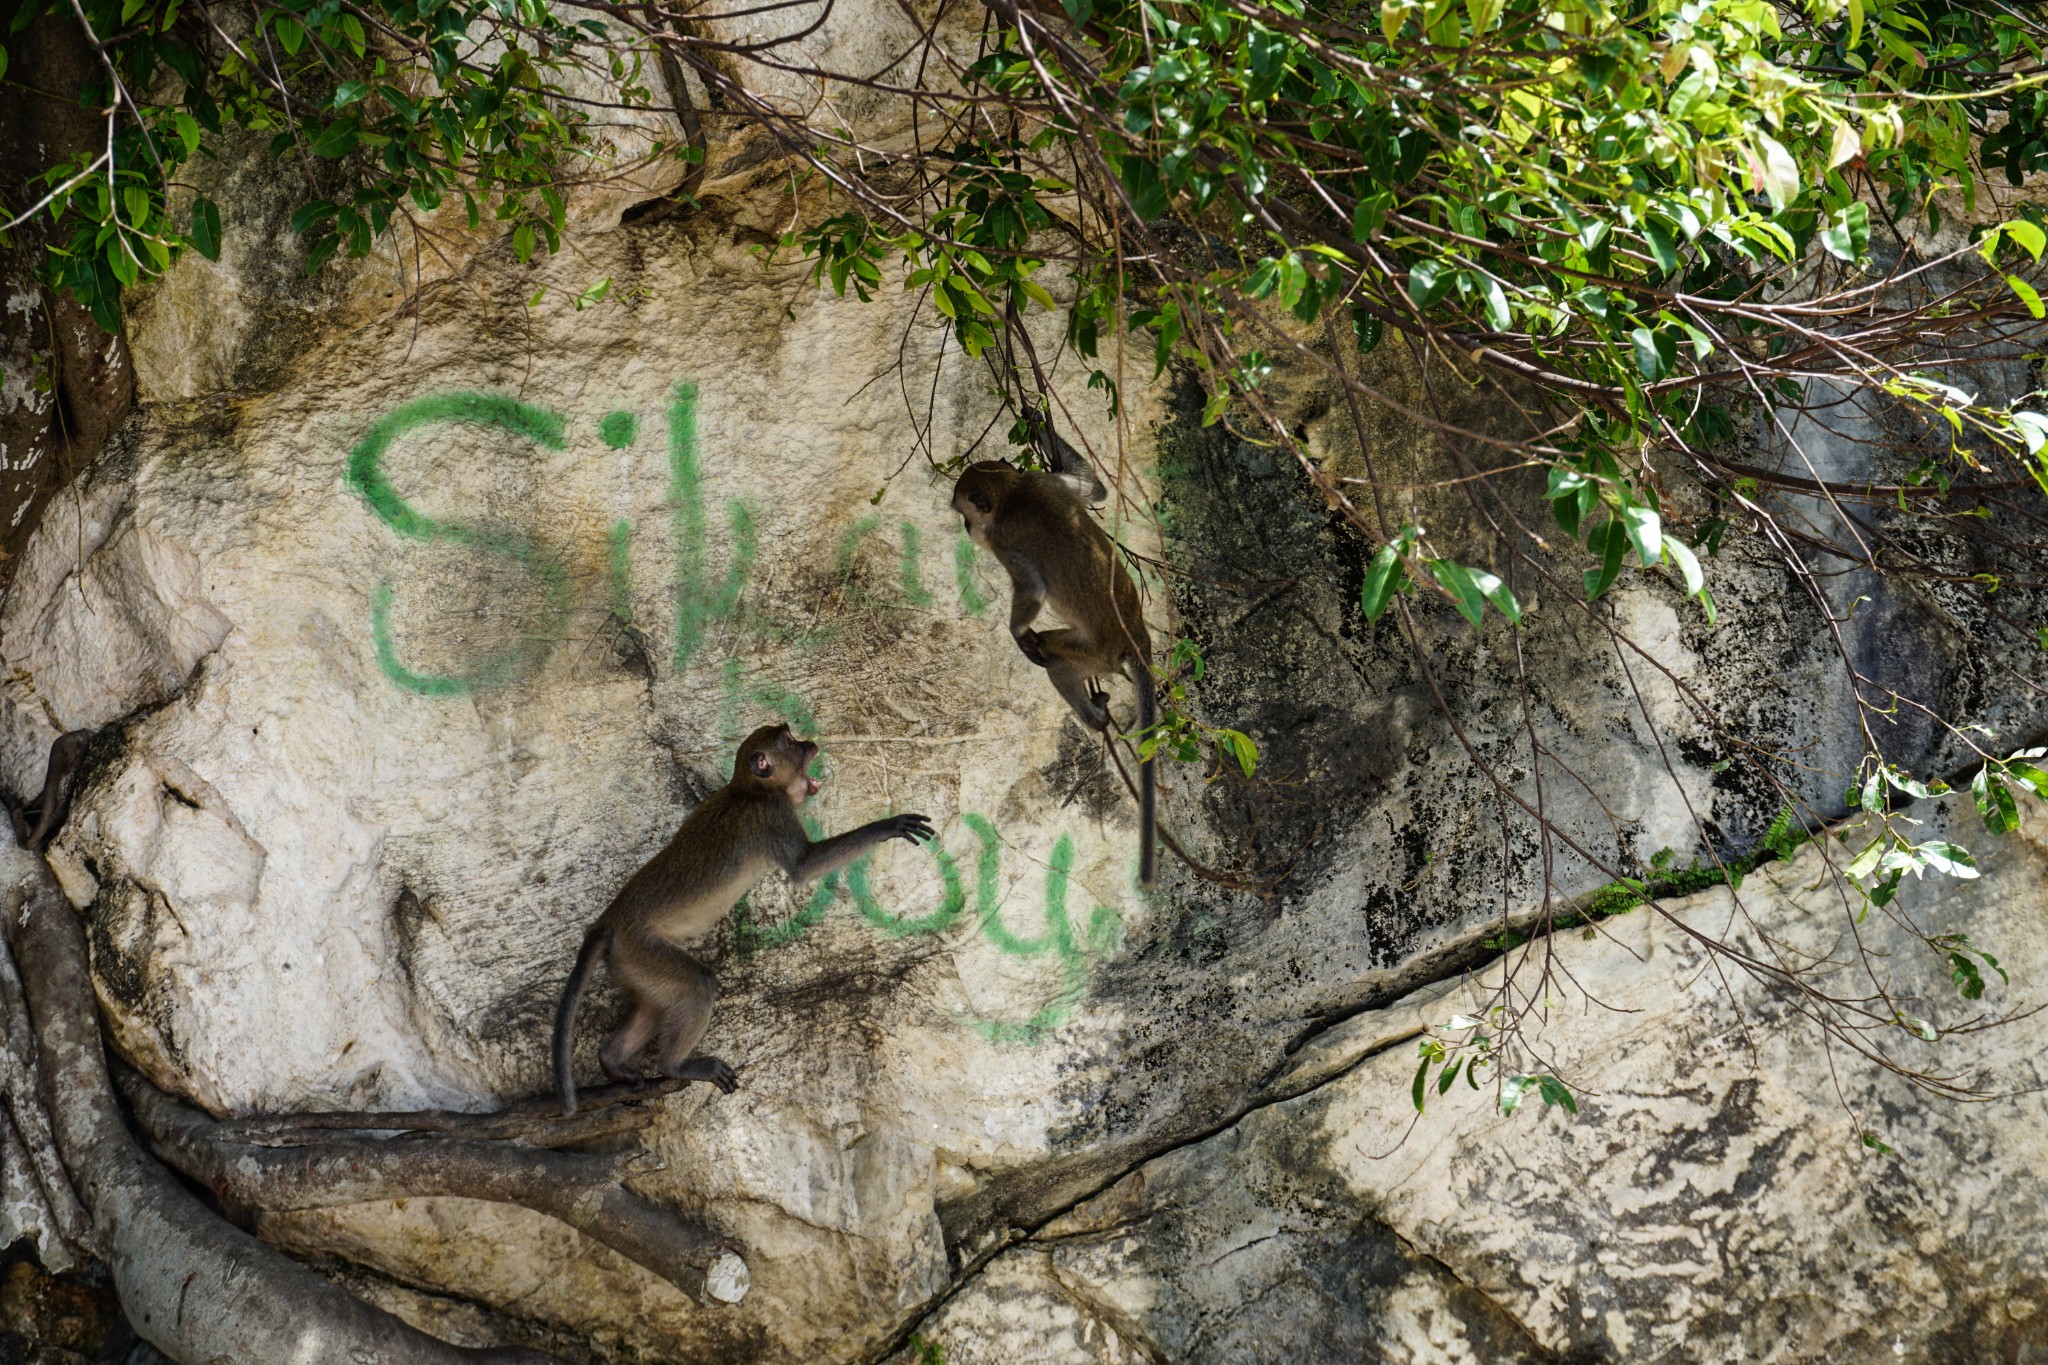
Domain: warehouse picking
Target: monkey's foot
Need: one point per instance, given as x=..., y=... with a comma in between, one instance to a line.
x=1032, y=646
x=706, y=1069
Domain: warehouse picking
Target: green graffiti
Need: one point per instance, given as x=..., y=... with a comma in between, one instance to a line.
x=899, y=926
x=971, y=599
x=913, y=579
x=619, y=429
x=686, y=504
x=367, y=477
x=1072, y=951
x=695, y=606
x=1104, y=928
x=746, y=540
x=914, y=592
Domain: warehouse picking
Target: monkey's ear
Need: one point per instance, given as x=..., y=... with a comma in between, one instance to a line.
x=762, y=764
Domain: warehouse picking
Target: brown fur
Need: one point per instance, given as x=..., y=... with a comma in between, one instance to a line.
x=1038, y=527
x=739, y=834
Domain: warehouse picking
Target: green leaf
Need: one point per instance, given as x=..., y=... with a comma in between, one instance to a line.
x=1778, y=171
x=522, y=243
x=1240, y=747
x=1661, y=247
x=1496, y=300
x=1995, y=803
x=337, y=139
x=1865, y=863
x=1384, y=576
x=120, y=262
x=1511, y=1091
x=206, y=228
x=1421, y=1085
x=1554, y=1091
x=594, y=295
x=188, y=131
x=1429, y=281
x=1370, y=215
x=1450, y=1074
x=1292, y=279
x=1686, y=562
x=1458, y=581
x=1367, y=329
x=2028, y=776
x=1947, y=857
x=2033, y=429
x=2027, y=295
x=1848, y=238
x=1656, y=352
x=1497, y=593
x=1645, y=531
x=2030, y=238
x=322, y=249
x=1609, y=544
x=290, y=34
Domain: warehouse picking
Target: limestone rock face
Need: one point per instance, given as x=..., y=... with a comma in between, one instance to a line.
x=411, y=638
x=1712, y=1200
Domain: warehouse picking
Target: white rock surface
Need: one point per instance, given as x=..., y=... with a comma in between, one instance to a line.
x=413, y=638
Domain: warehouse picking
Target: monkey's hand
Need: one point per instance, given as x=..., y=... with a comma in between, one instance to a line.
x=1033, y=647
x=916, y=828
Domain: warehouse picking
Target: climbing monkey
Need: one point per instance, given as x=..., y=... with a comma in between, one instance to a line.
x=727, y=845
x=1037, y=526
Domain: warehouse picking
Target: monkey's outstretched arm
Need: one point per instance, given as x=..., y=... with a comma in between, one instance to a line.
x=829, y=855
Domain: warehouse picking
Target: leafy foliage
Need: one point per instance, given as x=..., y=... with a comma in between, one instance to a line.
x=386, y=108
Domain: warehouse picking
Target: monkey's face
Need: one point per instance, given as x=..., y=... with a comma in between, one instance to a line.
x=978, y=493
x=775, y=759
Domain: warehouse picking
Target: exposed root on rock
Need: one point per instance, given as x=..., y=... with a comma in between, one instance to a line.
x=579, y=1188
x=192, y=1283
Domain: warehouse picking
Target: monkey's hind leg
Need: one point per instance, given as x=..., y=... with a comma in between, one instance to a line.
x=684, y=1022
x=616, y=1053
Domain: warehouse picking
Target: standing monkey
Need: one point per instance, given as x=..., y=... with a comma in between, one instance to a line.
x=726, y=846
x=1037, y=525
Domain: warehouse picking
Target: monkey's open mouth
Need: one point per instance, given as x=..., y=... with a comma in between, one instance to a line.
x=810, y=785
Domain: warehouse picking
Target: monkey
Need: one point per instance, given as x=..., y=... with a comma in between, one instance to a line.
x=723, y=850
x=1037, y=526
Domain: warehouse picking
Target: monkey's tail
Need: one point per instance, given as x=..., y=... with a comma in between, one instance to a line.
x=594, y=943
x=1148, y=816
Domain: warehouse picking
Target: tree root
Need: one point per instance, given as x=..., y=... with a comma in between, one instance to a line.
x=578, y=1188
x=191, y=1282
x=602, y=1111
x=193, y=1285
